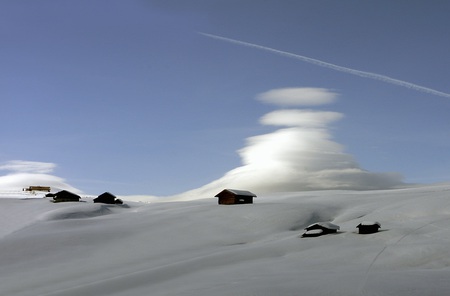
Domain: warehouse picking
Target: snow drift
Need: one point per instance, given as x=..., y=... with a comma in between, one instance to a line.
x=201, y=248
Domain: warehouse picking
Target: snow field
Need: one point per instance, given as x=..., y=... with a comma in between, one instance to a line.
x=201, y=248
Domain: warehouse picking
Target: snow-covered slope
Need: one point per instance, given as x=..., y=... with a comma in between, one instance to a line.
x=201, y=248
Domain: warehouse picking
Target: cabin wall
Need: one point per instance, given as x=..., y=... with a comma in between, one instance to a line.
x=228, y=198
x=244, y=199
x=65, y=199
x=368, y=229
x=105, y=199
x=325, y=230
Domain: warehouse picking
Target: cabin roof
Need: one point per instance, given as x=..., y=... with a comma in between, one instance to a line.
x=369, y=223
x=238, y=192
x=63, y=194
x=107, y=194
x=327, y=225
x=66, y=193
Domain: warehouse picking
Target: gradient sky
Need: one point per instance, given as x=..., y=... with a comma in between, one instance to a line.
x=128, y=97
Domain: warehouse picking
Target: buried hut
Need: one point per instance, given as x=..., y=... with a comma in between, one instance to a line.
x=320, y=228
x=107, y=198
x=368, y=227
x=64, y=196
x=233, y=197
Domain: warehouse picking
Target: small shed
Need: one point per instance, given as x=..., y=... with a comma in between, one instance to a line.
x=368, y=227
x=233, y=197
x=64, y=196
x=37, y=188
x=107, y=198
x=320, y=228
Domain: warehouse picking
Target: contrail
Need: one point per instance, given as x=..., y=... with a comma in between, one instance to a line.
x=320, y=63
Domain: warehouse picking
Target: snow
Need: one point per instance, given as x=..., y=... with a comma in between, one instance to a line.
x=201, y=248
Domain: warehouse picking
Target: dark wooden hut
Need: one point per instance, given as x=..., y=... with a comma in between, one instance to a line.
x=320, y=228
x=368, y=227
x=233, y=197
x=107, y=198
x=37, y=188
x=64, y=196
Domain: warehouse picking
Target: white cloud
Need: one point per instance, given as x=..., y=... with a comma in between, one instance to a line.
x=18, y=181
x=31, y=173
x=305, y=149
x=305, y=96
x=300, y=156
x=305, y=118
x=23, y=166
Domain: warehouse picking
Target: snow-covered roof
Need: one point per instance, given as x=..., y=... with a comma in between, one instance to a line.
x=239, y=192
x=327, y=225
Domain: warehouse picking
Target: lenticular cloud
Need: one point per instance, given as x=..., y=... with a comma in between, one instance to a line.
x=21, y=166
x=300, y=118
x=27, y=173
x=299, y=156
x=297, y=96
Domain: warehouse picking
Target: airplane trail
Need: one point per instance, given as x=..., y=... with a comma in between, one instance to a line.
x=323, y=64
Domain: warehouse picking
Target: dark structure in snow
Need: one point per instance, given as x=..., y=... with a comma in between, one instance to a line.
x=107, y=198
x=37, y=188
x=233, y=197
x=64, y=196
x=368, y=227
x=320, y=228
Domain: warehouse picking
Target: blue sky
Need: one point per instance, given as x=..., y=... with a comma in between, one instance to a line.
x=128, y=97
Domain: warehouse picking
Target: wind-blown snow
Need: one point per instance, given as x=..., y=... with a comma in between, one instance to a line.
x=200, y=248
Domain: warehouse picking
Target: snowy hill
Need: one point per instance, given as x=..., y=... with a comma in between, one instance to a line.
x=201, y=248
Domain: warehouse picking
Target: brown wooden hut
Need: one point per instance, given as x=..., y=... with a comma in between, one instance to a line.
x=37, y=188
x=233, y=197
x=320, y=228
x=64, y=196
x=368, y=227
x=107, y=198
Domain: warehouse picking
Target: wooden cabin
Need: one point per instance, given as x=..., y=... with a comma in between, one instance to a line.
x=107, y=198
x=37, y=188
x=320, y=228
x=64, y=196
x=368, y=227
x=234, y=197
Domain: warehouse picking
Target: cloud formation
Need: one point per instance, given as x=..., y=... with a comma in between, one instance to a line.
x=28, y=166
x=297, y=157
x=28, y=173
x=294, y=96
x=300, y=118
